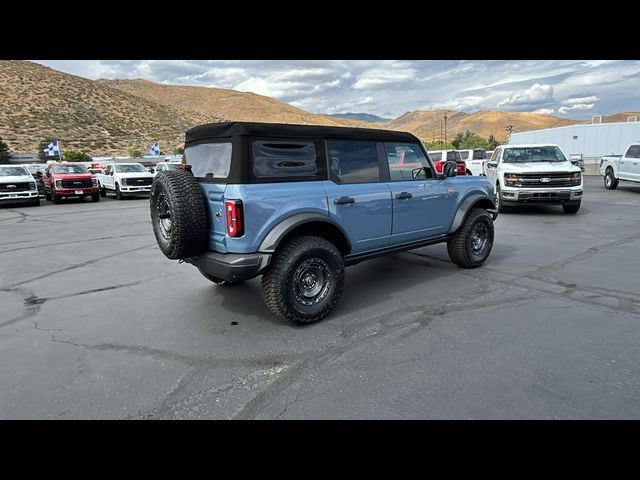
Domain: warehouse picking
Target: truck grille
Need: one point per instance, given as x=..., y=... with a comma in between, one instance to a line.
x=15, y=187
x=77, y=183
x=545, y=180
x=137, y=182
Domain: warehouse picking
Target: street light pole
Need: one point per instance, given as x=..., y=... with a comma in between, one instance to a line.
x=445, y=129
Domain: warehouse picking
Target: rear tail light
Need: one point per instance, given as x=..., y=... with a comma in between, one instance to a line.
x=438, y=165
x=235, y=224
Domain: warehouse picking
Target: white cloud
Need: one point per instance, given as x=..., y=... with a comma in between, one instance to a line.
x=578, y=100
x=545, y=111
x=390, y=73
x=535, y=95
x=577, y=106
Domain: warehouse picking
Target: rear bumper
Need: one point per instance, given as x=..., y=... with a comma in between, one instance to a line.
x=232, y=267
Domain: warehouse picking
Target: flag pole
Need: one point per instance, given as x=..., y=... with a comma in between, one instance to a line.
x=59, y=152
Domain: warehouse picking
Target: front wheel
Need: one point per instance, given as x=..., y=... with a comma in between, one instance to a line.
x=471, y=244
x=610, y=181
x=47, y=196
x=118, y=192
x=56, y=199
x=103, y=191
x=95, y=197
x=304, y=282
x=499, y=206
x=571, y=208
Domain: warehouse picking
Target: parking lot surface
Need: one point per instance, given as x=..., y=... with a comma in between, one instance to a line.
x=97, y=324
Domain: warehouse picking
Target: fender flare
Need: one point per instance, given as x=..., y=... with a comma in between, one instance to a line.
x=277, y=233
x=466, y=205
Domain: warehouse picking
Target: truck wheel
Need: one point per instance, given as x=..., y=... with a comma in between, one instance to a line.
x=103, y=191
x=178, y=214
x=47, y=196
x=304, y=281
x=499, y=206
x=218, y=281
x=469, y=172
x=95, y=197
x=610, y=181
x=471, y=244
x=571, y=208
x=36, y=202
x=56, y=199
x=118, y=192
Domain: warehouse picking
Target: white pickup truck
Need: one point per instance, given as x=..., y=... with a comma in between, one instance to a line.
x=621, y=167
x=125, y=179
x=18, y=185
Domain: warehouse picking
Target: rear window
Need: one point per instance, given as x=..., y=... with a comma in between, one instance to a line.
x=478, y=154
x=209, y=160
x=284, y=159
x=465, y=155
x=453, y=155
x=435, y=156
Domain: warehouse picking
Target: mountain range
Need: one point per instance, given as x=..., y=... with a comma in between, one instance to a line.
x=112, y=117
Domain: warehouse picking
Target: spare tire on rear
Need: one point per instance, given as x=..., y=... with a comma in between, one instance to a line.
x=178, y=214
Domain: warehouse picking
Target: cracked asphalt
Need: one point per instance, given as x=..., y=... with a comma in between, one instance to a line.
x=96, y=324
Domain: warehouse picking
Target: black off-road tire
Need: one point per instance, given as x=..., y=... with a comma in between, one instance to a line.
x=498, y=201
x=462, y=244
x=178, y=196
x=95, y=197
x=610, y=181
x=571, y=208
x=279, y=282
x=218, y=281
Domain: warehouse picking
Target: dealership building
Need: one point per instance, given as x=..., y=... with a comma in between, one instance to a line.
x=592, y=140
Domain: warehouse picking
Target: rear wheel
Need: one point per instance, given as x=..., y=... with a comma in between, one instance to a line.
x=304, y=282
x=610, y=181
x=471, y=244
x=571, y=208
x=469, y=172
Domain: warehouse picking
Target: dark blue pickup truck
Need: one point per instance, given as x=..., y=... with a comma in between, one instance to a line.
x=298, y=203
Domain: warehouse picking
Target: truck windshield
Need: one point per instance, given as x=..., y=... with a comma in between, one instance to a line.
x=69, y=169
x=13, y=171
x=533, y=154
x=130, y=168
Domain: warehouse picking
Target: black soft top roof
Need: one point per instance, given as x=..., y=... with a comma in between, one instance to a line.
x=214, y=131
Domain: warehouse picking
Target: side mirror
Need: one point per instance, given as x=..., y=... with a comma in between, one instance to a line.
x=449, y=169
x=492, y=164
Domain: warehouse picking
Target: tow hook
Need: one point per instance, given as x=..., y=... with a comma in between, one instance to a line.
x=494, y=213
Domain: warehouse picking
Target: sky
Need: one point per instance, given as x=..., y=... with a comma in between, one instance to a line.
x=389, y=88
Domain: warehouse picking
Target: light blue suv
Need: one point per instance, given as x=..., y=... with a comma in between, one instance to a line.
x=298, y=203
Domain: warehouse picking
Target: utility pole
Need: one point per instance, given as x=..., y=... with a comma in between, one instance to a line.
x=445, y=129
x=509, y=129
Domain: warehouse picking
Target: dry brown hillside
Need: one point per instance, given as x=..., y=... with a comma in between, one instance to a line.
x=225, y=104
x=39, y=102
x=426, y=124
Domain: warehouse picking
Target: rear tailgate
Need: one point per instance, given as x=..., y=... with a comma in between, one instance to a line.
x=214, y=200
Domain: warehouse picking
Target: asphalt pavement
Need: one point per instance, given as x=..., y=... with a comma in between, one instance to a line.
x=95, y=323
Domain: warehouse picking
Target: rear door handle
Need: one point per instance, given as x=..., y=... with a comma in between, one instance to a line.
x=404, y=195
x=344, y=200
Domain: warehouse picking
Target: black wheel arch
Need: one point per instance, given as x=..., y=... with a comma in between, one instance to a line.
x=314, y=224
x=475, y=200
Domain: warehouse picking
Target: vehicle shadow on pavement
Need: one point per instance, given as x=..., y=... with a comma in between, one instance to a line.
x=555, y=210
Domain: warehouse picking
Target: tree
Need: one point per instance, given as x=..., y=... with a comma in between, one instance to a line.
x=178, y=151
x=76, y=156
x=43, y=144
x=135, y=153
x=4, y=151
x=492, y=143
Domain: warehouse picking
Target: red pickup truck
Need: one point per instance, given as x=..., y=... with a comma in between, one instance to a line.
x=64, y=180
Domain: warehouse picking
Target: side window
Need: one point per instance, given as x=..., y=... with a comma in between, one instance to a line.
x=353, y=161
x=436, y=156
x=464, y=154
x=108, y=170
x=273, y=158
x=453, y=155
x=407, y=162
x=496, y=155
x=634, y=152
